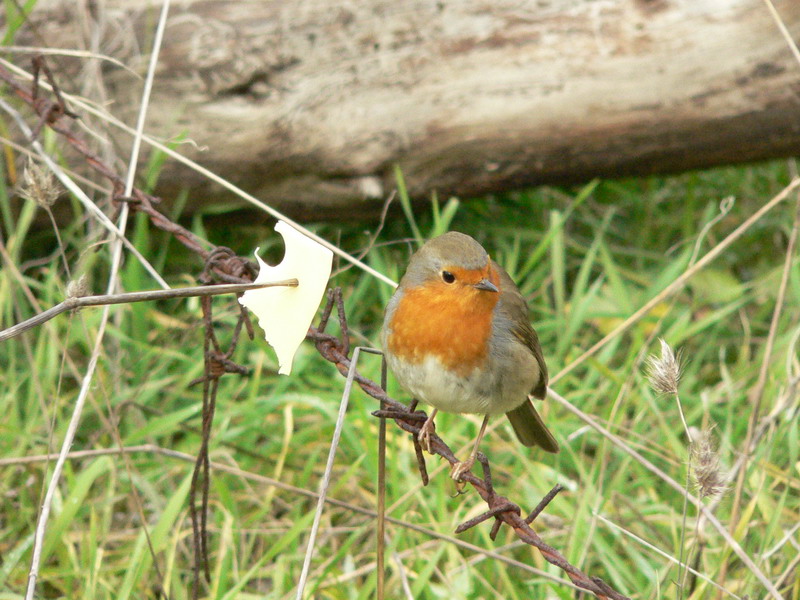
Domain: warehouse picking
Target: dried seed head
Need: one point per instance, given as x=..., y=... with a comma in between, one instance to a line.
x=664, y=373
x=38, y=185
x=704, y=458
x=77, y=288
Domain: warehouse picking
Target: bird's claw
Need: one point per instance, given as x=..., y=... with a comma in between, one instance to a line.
x=460, y=468
x=424, y=435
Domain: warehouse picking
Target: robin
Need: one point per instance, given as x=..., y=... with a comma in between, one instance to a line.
x=456, y=336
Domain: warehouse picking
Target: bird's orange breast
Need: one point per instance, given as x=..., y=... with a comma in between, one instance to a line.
x=451, y=323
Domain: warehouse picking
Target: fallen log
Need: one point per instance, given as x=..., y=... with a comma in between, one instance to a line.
x=309, y=105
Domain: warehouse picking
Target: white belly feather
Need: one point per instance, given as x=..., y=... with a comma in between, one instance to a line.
x=475, y=393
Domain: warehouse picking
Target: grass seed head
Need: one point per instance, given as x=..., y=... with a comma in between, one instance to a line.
x=77, y=288
x=664, y=372
x=708, y=476
x=38, y=185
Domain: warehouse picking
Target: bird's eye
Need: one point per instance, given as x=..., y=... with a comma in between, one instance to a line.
x=448, y=277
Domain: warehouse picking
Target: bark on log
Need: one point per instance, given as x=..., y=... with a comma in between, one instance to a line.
x=309, y=104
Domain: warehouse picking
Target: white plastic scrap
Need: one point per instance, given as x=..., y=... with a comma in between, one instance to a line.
x=285, y=313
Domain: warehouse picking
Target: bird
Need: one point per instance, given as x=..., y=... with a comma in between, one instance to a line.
x=456, y=336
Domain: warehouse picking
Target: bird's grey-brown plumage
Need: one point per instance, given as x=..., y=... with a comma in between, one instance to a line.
x=526, y=421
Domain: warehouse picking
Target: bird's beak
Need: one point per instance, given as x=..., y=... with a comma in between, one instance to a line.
x=486, y=285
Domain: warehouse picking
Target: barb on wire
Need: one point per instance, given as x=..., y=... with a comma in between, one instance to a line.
x=423, y=468
x=223, y=265
x=49, y=111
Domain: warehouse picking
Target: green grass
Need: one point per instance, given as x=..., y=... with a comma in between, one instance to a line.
x=585, y=258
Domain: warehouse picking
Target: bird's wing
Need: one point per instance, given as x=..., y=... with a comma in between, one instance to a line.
x=513, y=305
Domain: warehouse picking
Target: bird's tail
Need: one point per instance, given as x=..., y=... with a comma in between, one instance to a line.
x=530, y=428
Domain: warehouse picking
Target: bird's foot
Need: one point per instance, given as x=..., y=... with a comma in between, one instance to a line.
x=460, y=468
x=424, y=435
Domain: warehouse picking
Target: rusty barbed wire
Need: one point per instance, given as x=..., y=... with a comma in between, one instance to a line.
x=51, y=113
x=223, y=264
